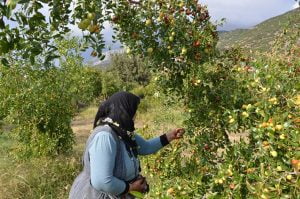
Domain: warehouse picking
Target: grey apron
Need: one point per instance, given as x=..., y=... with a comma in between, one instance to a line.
x=82, y=188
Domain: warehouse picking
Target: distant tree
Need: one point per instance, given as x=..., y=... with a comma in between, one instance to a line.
x=131, y=68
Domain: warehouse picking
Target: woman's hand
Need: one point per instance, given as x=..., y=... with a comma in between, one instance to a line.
x=139, y=185
x=175, y=134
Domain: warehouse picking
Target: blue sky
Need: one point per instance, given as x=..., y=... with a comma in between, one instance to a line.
x=246, y=13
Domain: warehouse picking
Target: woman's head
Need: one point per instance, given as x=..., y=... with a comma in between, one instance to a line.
x=121, y=108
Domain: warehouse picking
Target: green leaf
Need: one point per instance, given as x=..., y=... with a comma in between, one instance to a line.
x=137, y=194
x=2, y=24
x=38, y=5
x=38, y=17
x=50, y=58
x=37, y=49
x=102, y=57
x=4, y=46
x=23, y=18
x=32, y=60
x=4, y=62
x=24, y=1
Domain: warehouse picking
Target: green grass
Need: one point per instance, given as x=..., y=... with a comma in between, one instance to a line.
x=154, y=117
x=37, y=177
x=87, y=113
x=5, y=143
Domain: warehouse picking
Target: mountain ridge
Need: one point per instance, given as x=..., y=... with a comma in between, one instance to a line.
x=261, y=35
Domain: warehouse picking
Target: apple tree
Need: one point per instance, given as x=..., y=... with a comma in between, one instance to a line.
x=243, y=128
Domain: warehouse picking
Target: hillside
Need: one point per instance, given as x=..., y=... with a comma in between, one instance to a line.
x=260, y=36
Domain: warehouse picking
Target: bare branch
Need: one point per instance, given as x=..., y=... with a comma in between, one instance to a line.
x=134, y=2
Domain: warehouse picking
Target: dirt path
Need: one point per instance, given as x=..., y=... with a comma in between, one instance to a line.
x=81, y=129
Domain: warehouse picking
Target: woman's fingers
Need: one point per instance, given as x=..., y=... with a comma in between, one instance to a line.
x=175, y=134
x=179, y=132
x=142, y=184
x=138, y=185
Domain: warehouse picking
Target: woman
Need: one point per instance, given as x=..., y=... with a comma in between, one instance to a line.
x=111, y=166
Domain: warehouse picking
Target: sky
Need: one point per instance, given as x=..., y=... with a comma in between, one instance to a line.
x=246, y=13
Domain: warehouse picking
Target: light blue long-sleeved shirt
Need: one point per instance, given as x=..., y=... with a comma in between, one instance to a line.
x=102, y=153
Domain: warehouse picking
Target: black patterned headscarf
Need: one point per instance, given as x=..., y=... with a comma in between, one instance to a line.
x=120, y=108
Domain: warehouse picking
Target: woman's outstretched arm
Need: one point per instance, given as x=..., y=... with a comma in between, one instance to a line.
x=146, y=147
x=150, y=146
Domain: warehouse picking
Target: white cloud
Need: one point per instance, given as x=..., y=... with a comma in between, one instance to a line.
x=246, y=13
x=296, y=5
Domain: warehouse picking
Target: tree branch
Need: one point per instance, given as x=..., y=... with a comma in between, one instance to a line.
x=134, y=2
